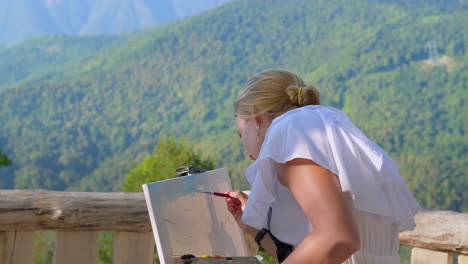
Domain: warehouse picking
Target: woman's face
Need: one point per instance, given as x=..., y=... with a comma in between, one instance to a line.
x=252, y=132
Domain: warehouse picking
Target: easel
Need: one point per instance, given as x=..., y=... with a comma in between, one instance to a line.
x=186, y=222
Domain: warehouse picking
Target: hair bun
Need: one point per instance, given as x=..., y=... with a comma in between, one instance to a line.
x=274, y=92
x=305, y=95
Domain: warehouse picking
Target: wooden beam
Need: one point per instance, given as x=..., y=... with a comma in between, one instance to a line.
x=73, y=211
x=438, y=230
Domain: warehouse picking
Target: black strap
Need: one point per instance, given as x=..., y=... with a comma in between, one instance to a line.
x=269, y=218
x=283, y=249
x=260, y=235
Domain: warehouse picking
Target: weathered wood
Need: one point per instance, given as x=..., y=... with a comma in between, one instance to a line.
x=76, y=247
x=17, y=247
x=23, y=251
x=462, y=259
x=438, y=230
x=73, y=211
x=41, y=210
x=7, y=239
x=425, y=256
x=131, y=247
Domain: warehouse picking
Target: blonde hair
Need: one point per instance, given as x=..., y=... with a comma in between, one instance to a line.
x=274, y=92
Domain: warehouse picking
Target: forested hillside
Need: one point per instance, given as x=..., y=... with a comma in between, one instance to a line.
x=399, y=69
x=43, y=57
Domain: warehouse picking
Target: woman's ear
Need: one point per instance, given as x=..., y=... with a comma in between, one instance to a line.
x=260, y=120
x=263, y=120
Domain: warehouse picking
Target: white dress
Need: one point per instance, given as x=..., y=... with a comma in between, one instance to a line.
x=382, y=205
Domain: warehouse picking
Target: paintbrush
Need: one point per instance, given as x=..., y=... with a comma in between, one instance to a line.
x=214, y=193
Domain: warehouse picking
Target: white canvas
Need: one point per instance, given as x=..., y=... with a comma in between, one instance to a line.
x=187, y=222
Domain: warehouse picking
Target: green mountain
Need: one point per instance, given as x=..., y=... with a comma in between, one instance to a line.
x=43, y=56
x=398, y=68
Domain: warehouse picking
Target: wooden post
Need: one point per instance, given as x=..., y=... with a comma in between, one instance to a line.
x=462, y=259
x=76, y=247
x=425, y=256
x=17, y=247
x=132, y=247
x=6, y=245
x=23, y=250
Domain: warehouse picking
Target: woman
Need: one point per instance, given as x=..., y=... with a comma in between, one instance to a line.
x=322, y=192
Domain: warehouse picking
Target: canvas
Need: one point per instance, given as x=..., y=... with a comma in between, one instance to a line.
x=187, y=222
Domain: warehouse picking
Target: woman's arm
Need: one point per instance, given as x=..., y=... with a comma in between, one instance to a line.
x=236, y=206
x=317, y=190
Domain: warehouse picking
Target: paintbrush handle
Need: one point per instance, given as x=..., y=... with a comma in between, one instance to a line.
x=222, y=194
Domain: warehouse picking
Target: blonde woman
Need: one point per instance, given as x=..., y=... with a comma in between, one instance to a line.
x=322, y=192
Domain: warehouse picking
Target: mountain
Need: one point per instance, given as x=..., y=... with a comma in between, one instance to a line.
x=44, y=56
x=398, y=71
x=21, y=19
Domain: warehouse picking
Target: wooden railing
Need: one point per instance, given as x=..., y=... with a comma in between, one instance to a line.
x=77, y=218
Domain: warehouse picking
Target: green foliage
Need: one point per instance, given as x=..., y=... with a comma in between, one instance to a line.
x=4, y=161
x=86, y=124
x=405, y=254
x=169, y=155
x=267, y=259
x=44, y=245
x=106, y=239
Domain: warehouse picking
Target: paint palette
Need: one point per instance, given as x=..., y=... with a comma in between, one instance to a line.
x=222, y=260
x=186, y=221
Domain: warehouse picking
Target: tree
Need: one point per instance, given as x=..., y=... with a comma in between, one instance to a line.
x=4, y=161
x=168, y=155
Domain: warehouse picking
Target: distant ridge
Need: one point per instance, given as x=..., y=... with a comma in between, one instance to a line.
x=22, y=19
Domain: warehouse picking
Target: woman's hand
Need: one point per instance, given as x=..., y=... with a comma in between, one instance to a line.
x=236, y=205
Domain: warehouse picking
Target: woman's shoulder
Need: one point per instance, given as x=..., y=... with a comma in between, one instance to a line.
x=309, y=114
x=298, y=125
